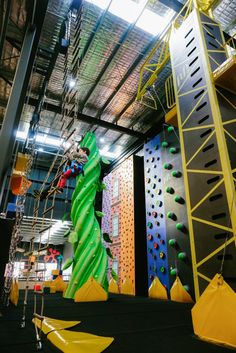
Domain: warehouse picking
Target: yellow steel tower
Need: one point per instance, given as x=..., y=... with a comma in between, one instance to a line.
x=206, y=109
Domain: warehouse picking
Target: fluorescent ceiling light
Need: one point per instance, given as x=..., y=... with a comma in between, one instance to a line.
x=129, y=11
x=72, y=83
x=41, y=138
x=105, y=153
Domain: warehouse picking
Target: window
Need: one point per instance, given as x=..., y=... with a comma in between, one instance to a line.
x=115, y=226
x=115, y=193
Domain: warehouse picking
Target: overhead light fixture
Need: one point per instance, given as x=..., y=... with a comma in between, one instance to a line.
x=72, y=83
x=40, y=149
x=102, y=139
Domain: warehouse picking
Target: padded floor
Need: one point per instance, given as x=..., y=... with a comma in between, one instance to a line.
x=139, y=325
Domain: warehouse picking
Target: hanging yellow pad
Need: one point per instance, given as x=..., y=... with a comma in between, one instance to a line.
x=127, y=287
x=157, y=290
x=214, y=315
x=59, y=284
x=14, y=294
x=79, y=342
x=91, y=291
x=113, y=287
x=49, y=324
x=178, y=293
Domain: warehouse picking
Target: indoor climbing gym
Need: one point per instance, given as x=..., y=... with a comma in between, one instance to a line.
x=117, y=176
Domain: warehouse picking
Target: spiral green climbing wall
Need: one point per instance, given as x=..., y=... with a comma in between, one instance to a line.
x=90, y=257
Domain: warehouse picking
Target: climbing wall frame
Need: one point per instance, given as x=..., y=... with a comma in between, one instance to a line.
x=197, y=49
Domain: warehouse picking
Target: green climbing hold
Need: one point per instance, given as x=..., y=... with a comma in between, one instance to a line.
x=170, y=190
x=180, y=226
x=182, y=256
x=176, y=173
x=173, y=271
x=172, y=216
x=168, y=166
x=179, y=199
x=172, y=242
x=170, y=128
x=162, y=269
x=156, y=147
x=149, y=224
x=165, y=144
x=173, y=150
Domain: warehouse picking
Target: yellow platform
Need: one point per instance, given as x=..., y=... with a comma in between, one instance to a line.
x=178, y=293
x=79, y=342
x=225, y=75
x=214, y=315
x=91, y=291
x=171, y=117
x=157, y=290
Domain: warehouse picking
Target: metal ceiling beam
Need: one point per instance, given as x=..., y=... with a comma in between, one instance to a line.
x=89, y=119
x=94, y=32
x=4, y=25
x=19, y=88
x=122, y=39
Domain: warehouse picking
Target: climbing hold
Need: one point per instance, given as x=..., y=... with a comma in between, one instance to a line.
x=150, y=152
x=162, y=255
x=157, y=223
x=148, y=191
x=172, y=215
x=150, y=237
x=170, y=128
x=165, y=144
x=161, y=215
x=157, y=235
x=182, y=256
x=149, y=224
x=186, y=287
x=176, y=173
x=162, y=241
x=150, y=250
x=154, y=257
x=152, y=159
x=159, y=180
x=173, y=150
x=168, y=166
x=155, y=245
x=151, y=277
x=154, y=214
x=152, y=195
x=153, y=185
x=152, y=206
x=159, y=192
x=148, y=170
x=147, y=160
x=172, y=242
x=181, y=226
x=159, y=203
x=173, y=271
x=170, y=190
x=179, y=199
x=148, y=180
x=155, y=147
x=162, y=269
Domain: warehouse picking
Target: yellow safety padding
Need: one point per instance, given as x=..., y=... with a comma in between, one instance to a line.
x=47, y=283
x=157, y=290
x=91, y=291
x=14, y=293
x=178, y=293
x=79, y=342
x=21, y=162
x=127, y=287
x=52, y=289
x=113, y=287
x=59, y=284
x=214, y=315
x=49, y=324
x=55, y=272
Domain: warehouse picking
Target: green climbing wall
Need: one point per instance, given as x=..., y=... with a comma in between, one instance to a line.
x=90, y=257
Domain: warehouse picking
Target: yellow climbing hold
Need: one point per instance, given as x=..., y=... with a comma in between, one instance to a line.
x=91, y=291
x=49, y=324
x=178, y=293
x=157, y=290
x=214, y=315
x=113, y=287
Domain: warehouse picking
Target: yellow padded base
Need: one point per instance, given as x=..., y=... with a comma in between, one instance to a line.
x=178, y=293
x=49, y=324
x=59, y=284
x=91, y=291
x=79, y=342
x=113, y=287
x=127, y=287
x=157, y=290
x=214, y=315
